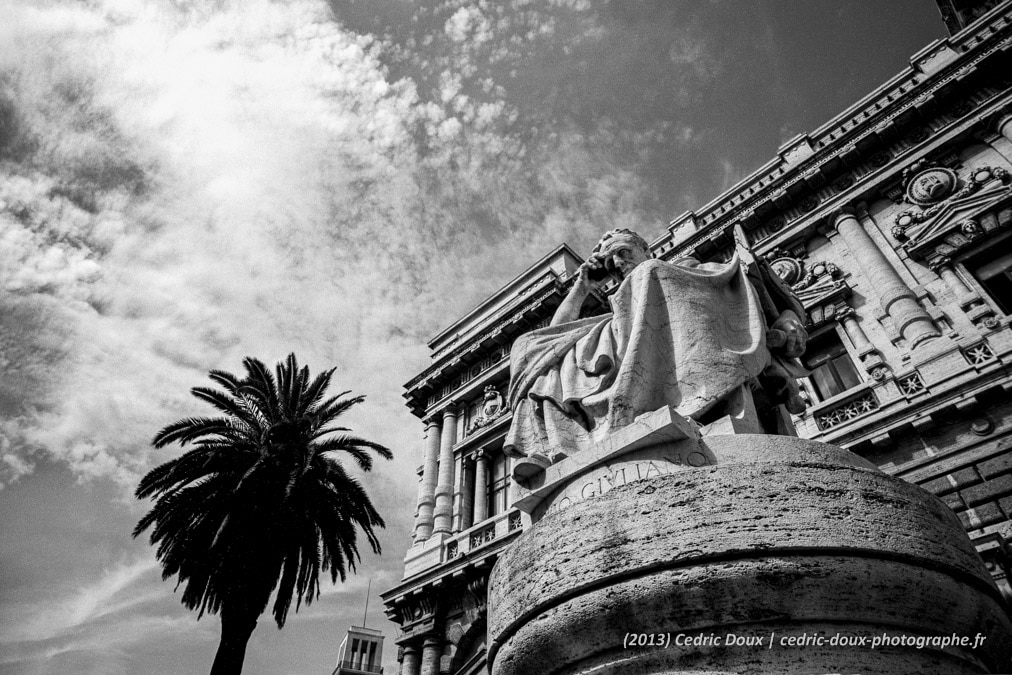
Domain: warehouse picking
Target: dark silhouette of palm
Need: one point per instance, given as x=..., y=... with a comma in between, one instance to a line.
x=262, y=502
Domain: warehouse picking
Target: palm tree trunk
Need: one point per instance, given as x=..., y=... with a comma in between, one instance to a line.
x=236, y=628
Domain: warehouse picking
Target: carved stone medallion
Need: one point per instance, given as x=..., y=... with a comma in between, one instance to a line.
x=931, y=186
x=787, y=268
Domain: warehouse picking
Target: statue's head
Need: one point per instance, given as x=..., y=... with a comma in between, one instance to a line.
x=621, y=250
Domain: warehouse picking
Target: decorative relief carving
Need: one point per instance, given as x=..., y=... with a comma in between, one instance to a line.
x=492, y=409
x=808, y=203
x=961, y=108
x=786, y=266
x=911, y=384
x=931, y=186
x=515, y=522
x=937, y=185
x=846, y=411
x=482, y=536
x=819, y=271
x=417, y=607
x=918, y=135
x=978, y=354
x=880, y=159
x=843, y=182
x=879, y=373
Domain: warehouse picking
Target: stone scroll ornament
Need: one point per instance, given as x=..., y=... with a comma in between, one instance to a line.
x=682, y=335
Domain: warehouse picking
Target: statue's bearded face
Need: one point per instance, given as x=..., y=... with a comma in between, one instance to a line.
x=623, y=257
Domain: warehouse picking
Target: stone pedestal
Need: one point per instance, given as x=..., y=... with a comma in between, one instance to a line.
x=776, y=554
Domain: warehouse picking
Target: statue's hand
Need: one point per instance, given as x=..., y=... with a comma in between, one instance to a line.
x=589, y=275
x=794, y=330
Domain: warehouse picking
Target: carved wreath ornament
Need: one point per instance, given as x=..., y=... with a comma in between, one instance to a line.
x=931, y=189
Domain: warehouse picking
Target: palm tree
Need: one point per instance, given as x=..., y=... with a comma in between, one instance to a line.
x=261, y=502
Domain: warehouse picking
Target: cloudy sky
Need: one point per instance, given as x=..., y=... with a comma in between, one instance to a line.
x=186, y=182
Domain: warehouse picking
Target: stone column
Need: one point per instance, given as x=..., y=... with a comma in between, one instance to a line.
x=443, y=514
x=431, y=652
x=458, y=494
x=896, y=298
x=480, y=486
x=467, y=495
x=848, y=319
x=963, y=293
x=411, y=662
x=427, y=489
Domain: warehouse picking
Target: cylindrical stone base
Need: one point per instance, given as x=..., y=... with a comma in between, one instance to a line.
x=799, y=555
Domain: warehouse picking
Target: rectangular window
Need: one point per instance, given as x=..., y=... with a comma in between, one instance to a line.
x=992, y=269
x=832, y=370
x=498, y=485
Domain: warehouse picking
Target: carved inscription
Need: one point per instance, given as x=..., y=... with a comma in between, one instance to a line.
x=606, y=477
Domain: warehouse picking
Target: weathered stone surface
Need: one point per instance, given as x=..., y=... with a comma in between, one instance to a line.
x=624, y=459
x=814, y=541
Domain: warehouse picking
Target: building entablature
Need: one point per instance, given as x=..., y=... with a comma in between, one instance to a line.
x=439, y=383
x=868, y=139
x=559, y=263
x=466, y=557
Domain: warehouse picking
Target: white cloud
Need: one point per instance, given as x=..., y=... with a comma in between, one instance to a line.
x=91, y=601
x=199, y=184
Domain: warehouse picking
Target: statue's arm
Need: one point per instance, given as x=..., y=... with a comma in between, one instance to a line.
x=569, y=308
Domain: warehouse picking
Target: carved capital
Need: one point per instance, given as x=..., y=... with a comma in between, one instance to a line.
x=937, y=264
x=845, y=312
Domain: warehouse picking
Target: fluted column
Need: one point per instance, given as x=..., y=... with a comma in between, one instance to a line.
x=431, y=652
x=411, y=663
x=895, y=297
x=427, y=488
x=443, y=514
x=480, y=486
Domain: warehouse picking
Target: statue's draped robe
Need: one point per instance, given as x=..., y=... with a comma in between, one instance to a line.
x=679, y=335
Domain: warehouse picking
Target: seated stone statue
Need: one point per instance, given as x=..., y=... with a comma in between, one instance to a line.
x=682, y=334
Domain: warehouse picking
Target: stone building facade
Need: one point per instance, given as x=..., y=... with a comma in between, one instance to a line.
x=893, y=224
